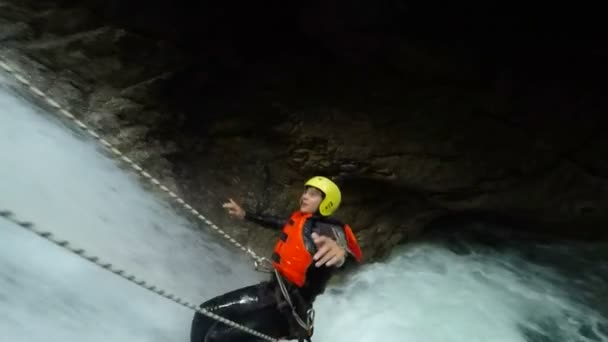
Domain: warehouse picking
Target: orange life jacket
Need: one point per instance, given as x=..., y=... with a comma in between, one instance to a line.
x=291, y=257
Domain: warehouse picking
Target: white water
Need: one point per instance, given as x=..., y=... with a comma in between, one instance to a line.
x=433, y=294
x=55, y=178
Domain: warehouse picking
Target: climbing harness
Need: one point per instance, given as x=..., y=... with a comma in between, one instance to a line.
x=8, y=215
x=261, y=264
x=307, y=326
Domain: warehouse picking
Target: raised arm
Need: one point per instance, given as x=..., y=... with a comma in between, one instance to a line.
x=266, y=221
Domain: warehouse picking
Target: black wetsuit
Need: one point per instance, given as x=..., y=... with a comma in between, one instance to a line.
x=257, y=306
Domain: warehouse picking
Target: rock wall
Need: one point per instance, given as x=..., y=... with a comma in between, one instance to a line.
x=247, y=102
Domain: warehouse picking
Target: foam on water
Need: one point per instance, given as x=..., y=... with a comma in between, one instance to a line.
x=427, y=292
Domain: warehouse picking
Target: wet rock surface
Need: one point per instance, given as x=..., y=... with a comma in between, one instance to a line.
x=411, y=131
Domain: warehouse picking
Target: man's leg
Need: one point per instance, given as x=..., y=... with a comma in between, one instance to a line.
x=268, y=321
x=240, y=306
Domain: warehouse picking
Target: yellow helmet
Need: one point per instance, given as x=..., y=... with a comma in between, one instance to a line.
x=332, y=199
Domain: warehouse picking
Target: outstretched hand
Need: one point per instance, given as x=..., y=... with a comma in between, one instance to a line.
x=329, y=253
x=234, y=209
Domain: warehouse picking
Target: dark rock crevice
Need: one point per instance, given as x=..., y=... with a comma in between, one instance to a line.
x=415, y=119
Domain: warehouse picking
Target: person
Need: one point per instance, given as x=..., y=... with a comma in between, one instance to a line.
x=311, y=248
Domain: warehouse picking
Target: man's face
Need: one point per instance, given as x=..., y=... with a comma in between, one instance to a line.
x=310, y=200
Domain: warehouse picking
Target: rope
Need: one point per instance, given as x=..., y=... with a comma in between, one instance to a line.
x=261, y=263
x=308, y=325
x=8, y=215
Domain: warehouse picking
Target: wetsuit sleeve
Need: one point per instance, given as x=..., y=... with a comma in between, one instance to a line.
x=266, y=221
x=347, y=239
x=343, y=235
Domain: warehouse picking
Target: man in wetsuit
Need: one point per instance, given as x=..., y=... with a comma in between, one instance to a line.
x=310, y=249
